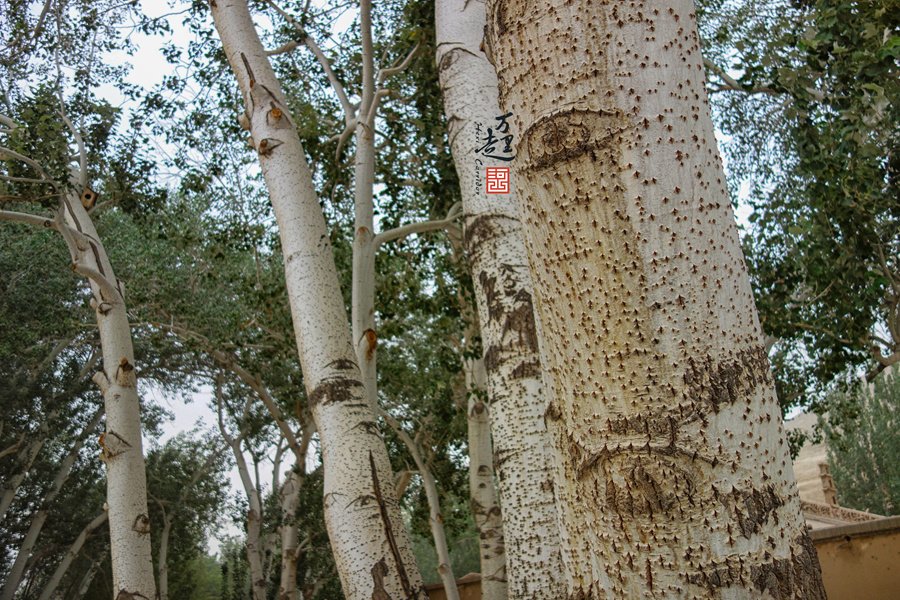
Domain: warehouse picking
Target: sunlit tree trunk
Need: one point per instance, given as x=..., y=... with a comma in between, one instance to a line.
x=496, y=254
x=371, y=547
x=673, y=475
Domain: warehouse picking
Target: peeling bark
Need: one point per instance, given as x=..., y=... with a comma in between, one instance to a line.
x=673, y=475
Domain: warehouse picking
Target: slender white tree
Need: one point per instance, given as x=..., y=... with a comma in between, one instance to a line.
x=371, y=547
x=121, y=445
x=673, y=475
x=496, y=254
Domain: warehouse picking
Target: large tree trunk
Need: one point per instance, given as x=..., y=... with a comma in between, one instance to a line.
x=122, y=448
x=498, y=262
x=371, y=547
x=673, y=477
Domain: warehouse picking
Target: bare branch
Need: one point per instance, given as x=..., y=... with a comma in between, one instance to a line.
x=385, y=73
x=343, y=137
x=82, y=155
x=28, y=161
x=283, y=49
x=423, y=227
x=15, y=447
x=765, y=88
x=108, y=289
x=26, y=218
x=320, y=56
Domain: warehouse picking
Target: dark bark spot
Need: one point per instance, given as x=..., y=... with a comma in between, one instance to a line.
x=713, y=383
x=342, y=364
x=337, y=390
x=521, y=321
x=527, y=370
x=371, y=343
x=141, y=524
x=492, y=357
x=570, y=134
x=796, y=577
x=370, y=427
x=753, y=508
x=491, y=295
x=478, y=231
x=379, y=570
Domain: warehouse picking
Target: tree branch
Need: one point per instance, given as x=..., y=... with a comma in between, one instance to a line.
x=9, y=215
x=424, y=227
x=320, y=56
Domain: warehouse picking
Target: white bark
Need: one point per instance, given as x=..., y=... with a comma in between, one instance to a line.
x=435, y=519
x=371, y=547
x=255, y=553
x=673, y=477
x=129, y=525
x=71, y=553
x=498, y=263
x=290, y=554
x=485, y=503
x=14, y=577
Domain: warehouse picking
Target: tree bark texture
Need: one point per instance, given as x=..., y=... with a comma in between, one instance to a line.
x=485, y=500
x=122, y=448
x=372, y=550
x=503, y=292
x=673, y=475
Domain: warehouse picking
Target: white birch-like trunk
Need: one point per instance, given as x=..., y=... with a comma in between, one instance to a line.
x=71, y=553
x=673, y=477
x=89, y=576
x=164, y=557
x=498, y=262
x=122, y=448
x=485, y=501
x=435, y=519
x=14, y=577
x=290, y=556
x=372, y=550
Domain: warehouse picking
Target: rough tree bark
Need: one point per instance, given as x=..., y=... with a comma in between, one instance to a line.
x=673, y=475
x=372, y=550
x=485, y=500
x=498, y=263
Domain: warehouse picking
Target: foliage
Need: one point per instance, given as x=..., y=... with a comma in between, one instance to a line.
x=863, y=445
x=812, y=126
